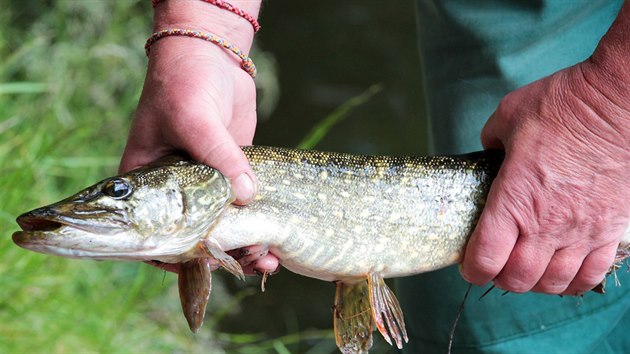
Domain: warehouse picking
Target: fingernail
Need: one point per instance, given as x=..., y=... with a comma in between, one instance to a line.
x=244, y=189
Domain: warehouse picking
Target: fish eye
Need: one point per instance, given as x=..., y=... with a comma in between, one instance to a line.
x=117, y=188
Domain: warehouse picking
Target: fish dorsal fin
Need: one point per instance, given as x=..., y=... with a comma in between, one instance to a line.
x=353, y=317
x=386, y=311
x=195, y=285
x=212, y=248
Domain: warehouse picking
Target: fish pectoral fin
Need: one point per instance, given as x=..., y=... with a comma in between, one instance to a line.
x=195, y=285
x=226, y=261
x=386, y=311
x=352, y=317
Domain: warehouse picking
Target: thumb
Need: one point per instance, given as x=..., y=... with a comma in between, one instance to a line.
x=491, y=243
x=216, y=148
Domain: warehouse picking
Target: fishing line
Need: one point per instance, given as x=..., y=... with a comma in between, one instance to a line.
x=459, y=313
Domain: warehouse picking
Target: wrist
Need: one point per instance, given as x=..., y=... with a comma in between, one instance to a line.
x=609, y=65
x=199, y=15
x=599, y=104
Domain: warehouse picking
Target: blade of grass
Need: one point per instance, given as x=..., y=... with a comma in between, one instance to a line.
x=319, y=131
x=280, y=347
x=22, y=87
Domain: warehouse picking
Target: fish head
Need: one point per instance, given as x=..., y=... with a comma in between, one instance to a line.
x=156, y=212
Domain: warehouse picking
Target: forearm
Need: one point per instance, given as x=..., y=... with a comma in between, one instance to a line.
x=608, y=69
x=199, y=15
x=614, y=48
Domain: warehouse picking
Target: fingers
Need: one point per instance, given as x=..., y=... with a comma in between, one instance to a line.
x=267, y=264
x=525, y=266
x=561, y=270
x=573, y=272
x=256, y=259
x=593, y=270
x=538, y=261
x=533, y=267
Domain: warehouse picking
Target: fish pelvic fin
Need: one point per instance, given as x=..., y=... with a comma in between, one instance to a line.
x=212, y=248
x=386, y=311
x=195, y=285
x=352, y=317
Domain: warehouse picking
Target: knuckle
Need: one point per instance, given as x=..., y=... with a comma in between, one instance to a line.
x=506, y=106
x=590, y=279
x=585, y=281
x=550, y=287
x=595, y=270
x=518, y=277
x=512, y=284
x=482, y=269
x=488, y=265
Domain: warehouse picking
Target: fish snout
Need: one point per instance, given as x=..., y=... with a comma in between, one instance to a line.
x=41, y=219
x=75, y=215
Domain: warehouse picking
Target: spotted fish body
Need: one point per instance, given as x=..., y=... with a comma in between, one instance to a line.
x=336, y=216
x=351, y=219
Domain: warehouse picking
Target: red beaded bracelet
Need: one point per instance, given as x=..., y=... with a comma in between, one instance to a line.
x=227, y=6
x=247, y=64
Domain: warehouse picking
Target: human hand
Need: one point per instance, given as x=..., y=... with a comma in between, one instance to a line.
x=196, y=98
x=560, y=204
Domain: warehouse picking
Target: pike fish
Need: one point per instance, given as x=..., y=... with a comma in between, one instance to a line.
x=350, y=219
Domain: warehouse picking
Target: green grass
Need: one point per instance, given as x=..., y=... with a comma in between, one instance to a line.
x=70, y=77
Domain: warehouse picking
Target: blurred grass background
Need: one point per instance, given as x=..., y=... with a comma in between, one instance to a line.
x=70, y=76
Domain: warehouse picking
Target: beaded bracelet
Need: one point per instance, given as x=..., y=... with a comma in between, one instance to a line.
x=246, y=62
x=227, y=6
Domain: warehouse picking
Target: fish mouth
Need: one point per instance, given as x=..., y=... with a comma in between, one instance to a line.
x=30, y=223
x=36, y=228
x=55, y=238
x=49, y=219
x=46, y=230
x=96, y=234
x=41, y=228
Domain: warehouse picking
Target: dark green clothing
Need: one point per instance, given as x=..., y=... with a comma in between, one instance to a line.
x=473, y=53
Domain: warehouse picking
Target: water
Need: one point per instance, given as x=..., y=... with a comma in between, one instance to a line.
x=330, y=51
